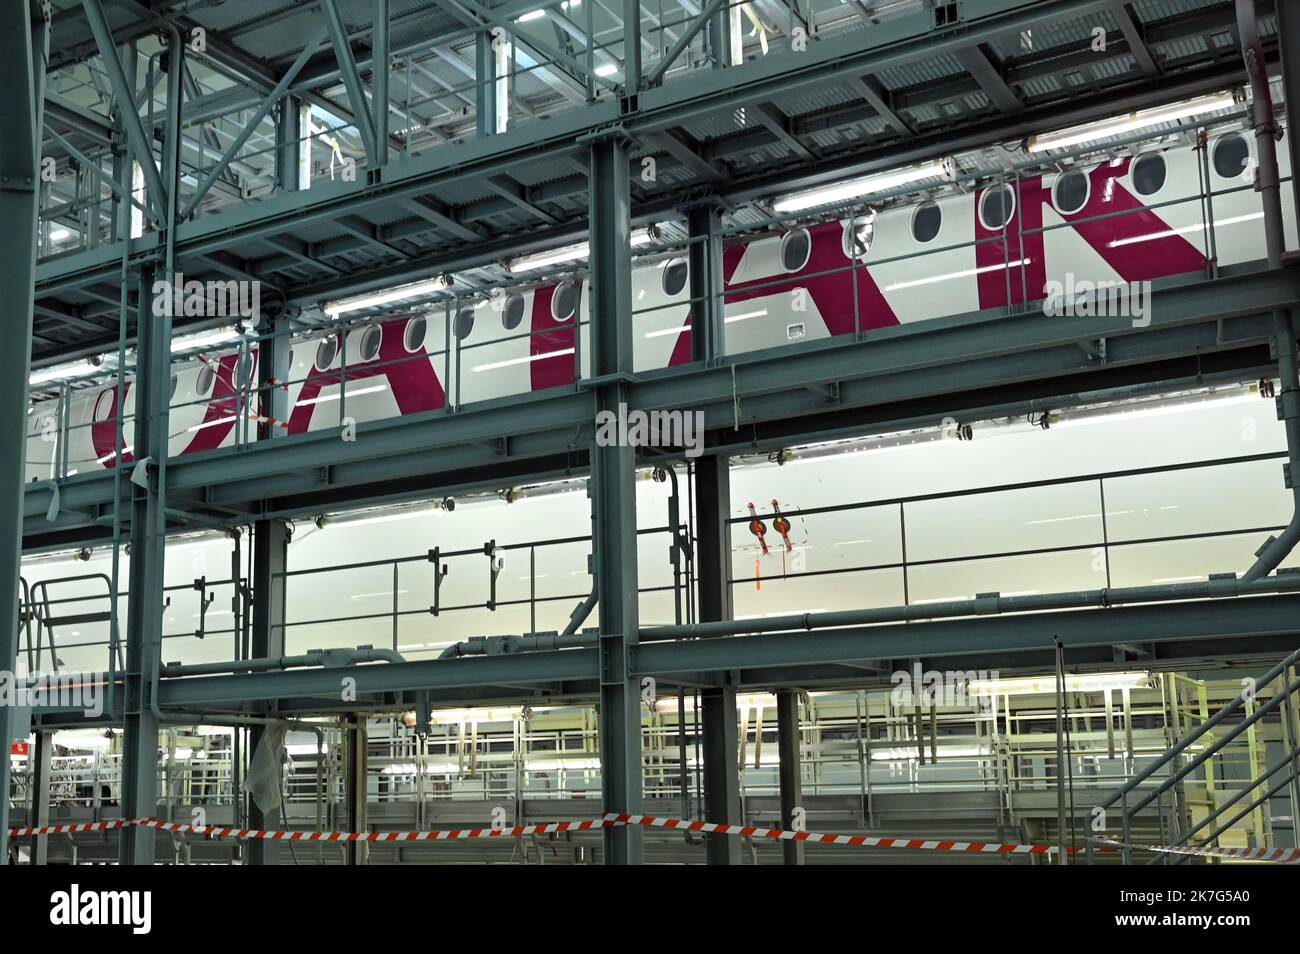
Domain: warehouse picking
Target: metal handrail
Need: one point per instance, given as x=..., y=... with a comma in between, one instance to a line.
x=1121, y=794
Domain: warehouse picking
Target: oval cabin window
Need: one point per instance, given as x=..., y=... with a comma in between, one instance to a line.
x=413, y=336
x=1149, y=173
x=674, y=277
x=565, y=301
x=1231, y=155
x=1071, y=192
x=796, y=249
x=997, y=207
x=512, y=315
x=326, y=352
x=927, y=220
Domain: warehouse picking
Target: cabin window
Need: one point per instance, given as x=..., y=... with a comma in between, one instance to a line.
x=326, y=352
x=206, y=381
x=796, y=249
x=673, y=277
x=1149, y=173
x=1071, y=191
x=1231, y=156
x=997, y=207
x=858, y=235
x=565, y=301
x=371, y=339
x=927, y=220
x=464, y=323
x=512, y=315
x=413, y=336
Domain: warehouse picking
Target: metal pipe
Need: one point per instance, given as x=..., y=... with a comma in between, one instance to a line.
x=580, y=613
x=501, y=645
x=989, y=604
x=328, y=658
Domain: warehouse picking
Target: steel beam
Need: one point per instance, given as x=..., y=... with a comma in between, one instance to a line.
x=656, y=77
x=718, y=701
x=790, y=772
x=141, y=144
x=22, y=65
x=379, y=73
x=1131, y=28
x=704, y=262
x=485, y=87
x=613, y=491
x=40, y=792
x=145, y=582
x=351, y=81
x=268, y=103
x=270, y=555
x=989, y=635
x=355, y=775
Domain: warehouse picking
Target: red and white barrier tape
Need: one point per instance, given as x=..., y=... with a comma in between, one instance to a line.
x=610, y=820
x=67, y=829
x=613, y=819
x=1284, y=856
x=866, y=841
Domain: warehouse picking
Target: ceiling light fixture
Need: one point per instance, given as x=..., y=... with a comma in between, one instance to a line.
x=567, y=253
x=1132, y=122
x=400, y=293
x=865, y=186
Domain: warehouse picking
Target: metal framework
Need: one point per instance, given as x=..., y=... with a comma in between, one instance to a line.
x=473, y=192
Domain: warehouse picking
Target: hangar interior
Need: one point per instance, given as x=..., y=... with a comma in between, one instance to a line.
x=650, y=431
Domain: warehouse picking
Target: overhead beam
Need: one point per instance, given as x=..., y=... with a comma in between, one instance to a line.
x=979, y=63
x=269, y=102
x=141, y=144
x=361, y=115
x=1132, y=30
x=778, y=124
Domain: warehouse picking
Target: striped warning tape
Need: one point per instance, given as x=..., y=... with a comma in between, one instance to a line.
x=453, y=834
x=67, y=829
x=866, y=841
x=613, y=819
x=1285, y=856
x=609, y=820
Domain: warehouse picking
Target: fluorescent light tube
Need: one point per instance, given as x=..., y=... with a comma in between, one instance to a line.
x=1142, y=119
x=400, y=293
x=864, y=186
x=567, y=253
x=66, y=372
x=206, y=339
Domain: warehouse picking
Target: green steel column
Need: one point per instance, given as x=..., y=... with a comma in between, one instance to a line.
x=613, y=491
x=631, y=46
x=485, y=86
x=1288, y=40
x=355, y=784
x=788, y=751
x=145, y=581
x=22, y=63
x=704, y=220
x=718, y=702
x=270, y=556
x=289, y=144
x=40, y=787
x=379, y=72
